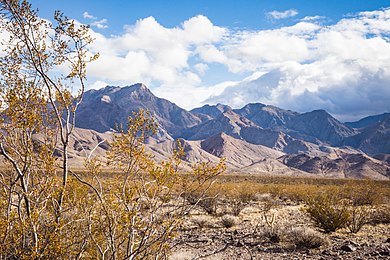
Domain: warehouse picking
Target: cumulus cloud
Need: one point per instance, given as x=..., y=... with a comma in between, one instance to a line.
x=86, y=15
x=201, y=68
x=100, y=24
x=98, y=85
x=157, y=56
x=313, y=18
x=283, y=15
x=342, y=67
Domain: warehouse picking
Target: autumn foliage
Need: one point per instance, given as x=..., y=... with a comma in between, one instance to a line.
x=46, y=210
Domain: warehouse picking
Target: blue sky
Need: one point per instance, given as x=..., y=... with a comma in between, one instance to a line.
x=299, y=55
x=251, y=14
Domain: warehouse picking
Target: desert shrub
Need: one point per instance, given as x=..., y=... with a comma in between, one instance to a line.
x=201, y=221
x=241, y=196
x=362, y=193
x=268, y=202
x=381, y=215
x=306, y=238
x=246, y=194
x=209, y=204
x=272, y=231
x=192, y=197
x=236, y=207
x=328, y=211
x=359, y=216
x=273, y=234
x=125, y=216
x=228, y=221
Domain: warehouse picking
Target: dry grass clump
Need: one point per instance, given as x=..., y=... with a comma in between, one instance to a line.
x=273, y=234
x=229, y=221
x=306, y=238
x=201, y=221
x=236, y=207
x=241, y=197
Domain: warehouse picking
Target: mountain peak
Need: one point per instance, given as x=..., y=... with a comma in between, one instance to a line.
x=103, y=109
x=320, y=112
x=212, y=110
x=321, y=125
x=266, y=116
x=369, y=121
x=254, y=106
x=140, y=86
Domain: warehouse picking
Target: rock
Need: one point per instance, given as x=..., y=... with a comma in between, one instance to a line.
x=388, y=240
x=328, y=253
x=348, y=248
x=384, y=253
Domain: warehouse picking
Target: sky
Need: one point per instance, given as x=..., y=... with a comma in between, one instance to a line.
x=298, y=55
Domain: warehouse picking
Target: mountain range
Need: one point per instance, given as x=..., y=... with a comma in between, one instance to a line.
x=256, y=138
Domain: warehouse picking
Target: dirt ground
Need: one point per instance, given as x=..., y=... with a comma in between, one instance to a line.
x=258, y=233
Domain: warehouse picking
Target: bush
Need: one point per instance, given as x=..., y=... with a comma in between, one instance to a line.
x=237, y=207
x=239, y=196
x=273, y=234
x=192, y=197
x=209, y=205
x=359, y=216
x=201, y=221
x=328, y=212
x=228, y=221
x=269, y=203
x=366, y=193
x=381, y=215
x=306, y=238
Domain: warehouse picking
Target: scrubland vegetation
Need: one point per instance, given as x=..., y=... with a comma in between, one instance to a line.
x=286, y=215
x=143, y=209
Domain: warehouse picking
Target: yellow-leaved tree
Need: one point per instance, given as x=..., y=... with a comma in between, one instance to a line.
x=47, y=211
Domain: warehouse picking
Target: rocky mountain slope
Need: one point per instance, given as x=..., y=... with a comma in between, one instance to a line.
x=102, y=110
x=373, y=139
x=339, y=164
x=266, y=116
x=256, y=138
x=368, y=121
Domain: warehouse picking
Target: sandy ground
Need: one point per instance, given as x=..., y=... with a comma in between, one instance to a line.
x=249, y=238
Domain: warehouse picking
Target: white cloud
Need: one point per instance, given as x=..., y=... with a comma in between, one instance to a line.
x=312, y=18
x=98, y=85
x=201, y=68
x=187, y=96
x=150, y=53
x=101, y=24
x=342, y=67
x=86, y=15
x=283, y=15
x=210, y=53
